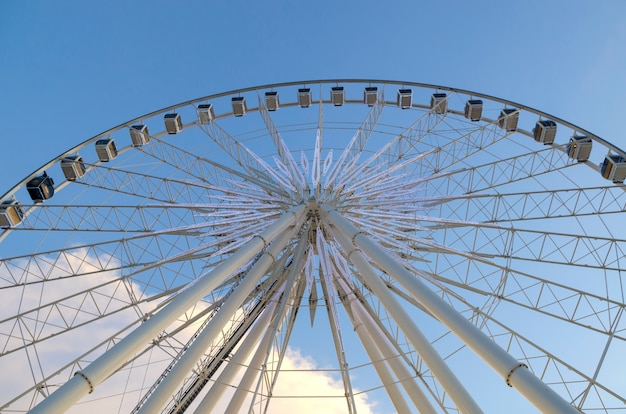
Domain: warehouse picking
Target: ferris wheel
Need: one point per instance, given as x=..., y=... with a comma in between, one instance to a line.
x=334, y=246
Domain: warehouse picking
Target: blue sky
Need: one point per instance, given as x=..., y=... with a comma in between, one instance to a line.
x=72, y=69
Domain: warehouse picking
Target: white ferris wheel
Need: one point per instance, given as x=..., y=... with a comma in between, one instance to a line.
x=348, y=245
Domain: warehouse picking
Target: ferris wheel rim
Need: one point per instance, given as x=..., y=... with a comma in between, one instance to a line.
x=270, y=86
x=290, y=84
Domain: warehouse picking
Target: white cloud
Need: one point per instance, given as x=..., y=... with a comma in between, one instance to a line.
x=301, y=377
x=57, y=311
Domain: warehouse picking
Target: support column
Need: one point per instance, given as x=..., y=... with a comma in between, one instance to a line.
x=383, y=347
x=463, y=400
x=245, y=386
x=399, y=367
x=255, y=367
x=237, y=362
x=196, y=350
x=516, y=374
x=86, y=380
x=374, y=354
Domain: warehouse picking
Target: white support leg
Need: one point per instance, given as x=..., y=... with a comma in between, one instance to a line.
x=382, y=369
x=245, y=386
x=238, y=361
x=378, y=361
x=433, y=360
x=515, y=374
x=84, y=381
x=196, y=350
x=255, y=367
x=419, y=398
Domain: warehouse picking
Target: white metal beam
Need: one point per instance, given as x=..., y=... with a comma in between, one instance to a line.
x=196, y=350
x=86, y=380
x=400, y=369
x=344, y=233
x=516, y=374
x=382, y=356
x=238, y=360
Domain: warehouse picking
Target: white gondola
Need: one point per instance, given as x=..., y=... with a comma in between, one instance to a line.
x=239, y=105
x=73, y=167
x=370, y=95
x=205, y=113
x=271, y=100
x=439, y=103
x=474, y=109
x=106, y=149
x=614, y=168
x=579, y=147
x=337, y=95
x=508, y=119
x=545, y=131
x=40, y=188
x=11, y=213
x=304, y=97
x=173, y=123
x=139, y=135
x=405, y=98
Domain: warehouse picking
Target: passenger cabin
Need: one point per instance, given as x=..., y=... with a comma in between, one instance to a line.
x=508, y=119
x=337, y=95
x=579, y=148
x=271, y=100
x=11, y=213
x=545, y=131
x=73, y=167
x=439, y=103
x=106, y=149
x=173, y=123
x=405, y=98
x=474, y=109
x=370, y=95
x=239, y=105
x=205, y=113
x=614, y=168
x=40, y=188
x=304, y=97
x=139, y=135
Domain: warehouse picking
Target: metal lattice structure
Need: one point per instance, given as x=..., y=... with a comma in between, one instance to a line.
x=342, y=244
